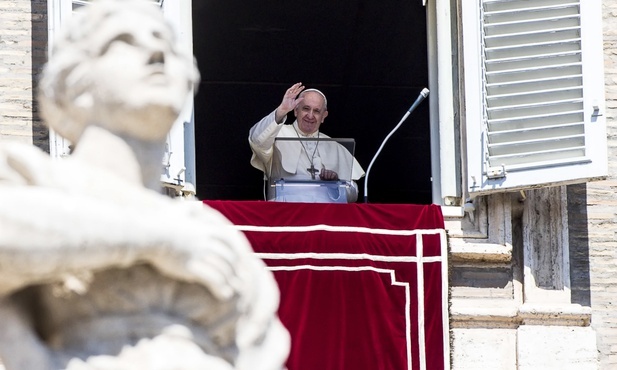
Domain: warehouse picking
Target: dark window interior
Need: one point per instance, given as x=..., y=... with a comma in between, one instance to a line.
x=368, y=57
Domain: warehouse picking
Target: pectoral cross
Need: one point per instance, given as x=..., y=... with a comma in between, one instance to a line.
x=313, y=171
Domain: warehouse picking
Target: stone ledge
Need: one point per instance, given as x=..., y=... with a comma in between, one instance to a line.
x=562, y=315
x=452, y=211
x=500, y=313
x=483, y=310
x=479, y=252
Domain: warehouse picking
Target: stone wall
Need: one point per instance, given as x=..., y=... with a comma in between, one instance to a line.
x=601, y=213
x=494, y=328
x=23, y=51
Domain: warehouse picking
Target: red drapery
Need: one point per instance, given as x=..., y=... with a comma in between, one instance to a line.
x=363, y=286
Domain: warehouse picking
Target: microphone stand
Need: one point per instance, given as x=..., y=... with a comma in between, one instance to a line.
x=422, y=96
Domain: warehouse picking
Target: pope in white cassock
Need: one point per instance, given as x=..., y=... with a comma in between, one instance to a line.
x=306, y=159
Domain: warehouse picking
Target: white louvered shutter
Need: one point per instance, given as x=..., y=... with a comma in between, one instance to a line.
x=534, y=93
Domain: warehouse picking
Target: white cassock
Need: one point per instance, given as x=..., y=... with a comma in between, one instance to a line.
x=292, y=160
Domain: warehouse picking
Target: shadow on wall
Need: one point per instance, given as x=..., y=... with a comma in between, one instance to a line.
x=39, y=25
x=579, y=244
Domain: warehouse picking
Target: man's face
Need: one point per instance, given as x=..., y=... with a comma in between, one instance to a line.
x=138, y=73
x=311, y=112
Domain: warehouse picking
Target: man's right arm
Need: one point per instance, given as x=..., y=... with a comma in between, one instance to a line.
x=261, y=141
x=263, y=133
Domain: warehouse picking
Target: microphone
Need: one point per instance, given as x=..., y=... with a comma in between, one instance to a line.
x=422, y=96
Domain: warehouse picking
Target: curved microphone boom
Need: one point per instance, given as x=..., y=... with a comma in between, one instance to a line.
x=422, y=96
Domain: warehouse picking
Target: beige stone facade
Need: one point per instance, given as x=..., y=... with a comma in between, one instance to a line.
x=533, y=276
x=601, y=208
x=500, y=318
x=23, y=51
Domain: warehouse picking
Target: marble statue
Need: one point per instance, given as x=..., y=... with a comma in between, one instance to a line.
x=98, y=269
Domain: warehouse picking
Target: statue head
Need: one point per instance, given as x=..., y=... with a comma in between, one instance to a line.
x=116, y=66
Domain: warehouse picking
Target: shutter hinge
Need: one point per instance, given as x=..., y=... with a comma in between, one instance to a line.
x=496, y=172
